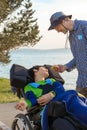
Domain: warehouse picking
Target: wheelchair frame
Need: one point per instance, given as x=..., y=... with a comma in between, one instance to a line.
x=29, y=120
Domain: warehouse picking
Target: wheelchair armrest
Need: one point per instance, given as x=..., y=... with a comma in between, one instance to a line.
x=34, y=109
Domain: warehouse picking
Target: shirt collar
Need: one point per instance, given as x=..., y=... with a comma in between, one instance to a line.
x=76, y=23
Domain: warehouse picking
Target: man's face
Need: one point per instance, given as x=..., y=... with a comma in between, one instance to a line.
x=61, y=28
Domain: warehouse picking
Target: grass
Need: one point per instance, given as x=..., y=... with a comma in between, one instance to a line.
x=6, y=94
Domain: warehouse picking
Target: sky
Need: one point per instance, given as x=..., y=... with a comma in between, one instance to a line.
x=45, y=8
x=43, y=11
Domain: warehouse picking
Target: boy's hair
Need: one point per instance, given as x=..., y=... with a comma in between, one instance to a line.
x=31, y=70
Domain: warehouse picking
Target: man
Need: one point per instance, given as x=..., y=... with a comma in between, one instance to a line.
x=78, y=43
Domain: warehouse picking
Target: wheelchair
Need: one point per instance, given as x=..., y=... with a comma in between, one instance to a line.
x=31, y=120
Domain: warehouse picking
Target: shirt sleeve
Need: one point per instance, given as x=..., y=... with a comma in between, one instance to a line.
x=71, y=65
x=84, y=30
x=58, y=87
x=31, y=99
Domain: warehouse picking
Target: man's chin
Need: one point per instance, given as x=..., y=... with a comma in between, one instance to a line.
x=65, y=32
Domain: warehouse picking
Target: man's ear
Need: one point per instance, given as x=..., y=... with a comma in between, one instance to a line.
x=66, y=19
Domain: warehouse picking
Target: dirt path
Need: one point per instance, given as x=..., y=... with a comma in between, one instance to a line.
x=7, y=113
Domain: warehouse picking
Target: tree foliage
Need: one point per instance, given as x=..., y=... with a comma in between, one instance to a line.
x=7, y=6
x=20, y=30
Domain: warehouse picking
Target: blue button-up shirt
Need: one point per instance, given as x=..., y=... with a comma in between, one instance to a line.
x=78, y=44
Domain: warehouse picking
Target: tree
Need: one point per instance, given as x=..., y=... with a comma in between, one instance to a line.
x=21, y=30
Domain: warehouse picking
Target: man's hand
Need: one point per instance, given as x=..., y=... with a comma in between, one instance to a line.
x=44, y=99
x=59, y=68
x=21, y=105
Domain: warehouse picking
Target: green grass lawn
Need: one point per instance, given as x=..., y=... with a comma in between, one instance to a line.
x=6, y=94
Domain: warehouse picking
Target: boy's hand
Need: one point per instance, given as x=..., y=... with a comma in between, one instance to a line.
x=21, y=105
x=44, y=99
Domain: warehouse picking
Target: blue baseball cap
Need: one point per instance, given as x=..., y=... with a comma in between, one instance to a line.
x=56, y=19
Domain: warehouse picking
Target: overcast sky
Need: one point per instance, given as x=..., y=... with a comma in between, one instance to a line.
x=45, y=8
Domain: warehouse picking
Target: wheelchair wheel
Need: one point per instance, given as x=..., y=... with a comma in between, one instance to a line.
x=21, y=122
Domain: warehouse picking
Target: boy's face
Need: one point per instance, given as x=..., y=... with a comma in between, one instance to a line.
x=43, y=71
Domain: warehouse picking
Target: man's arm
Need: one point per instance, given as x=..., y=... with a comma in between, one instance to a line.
x=67, y=67
x=70, y=65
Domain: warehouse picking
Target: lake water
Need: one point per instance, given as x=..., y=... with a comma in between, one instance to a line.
x=29, y=57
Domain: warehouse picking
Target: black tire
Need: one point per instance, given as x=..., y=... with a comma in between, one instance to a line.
x=21, y=122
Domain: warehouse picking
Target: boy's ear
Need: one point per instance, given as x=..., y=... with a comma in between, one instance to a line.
x=35, y=70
